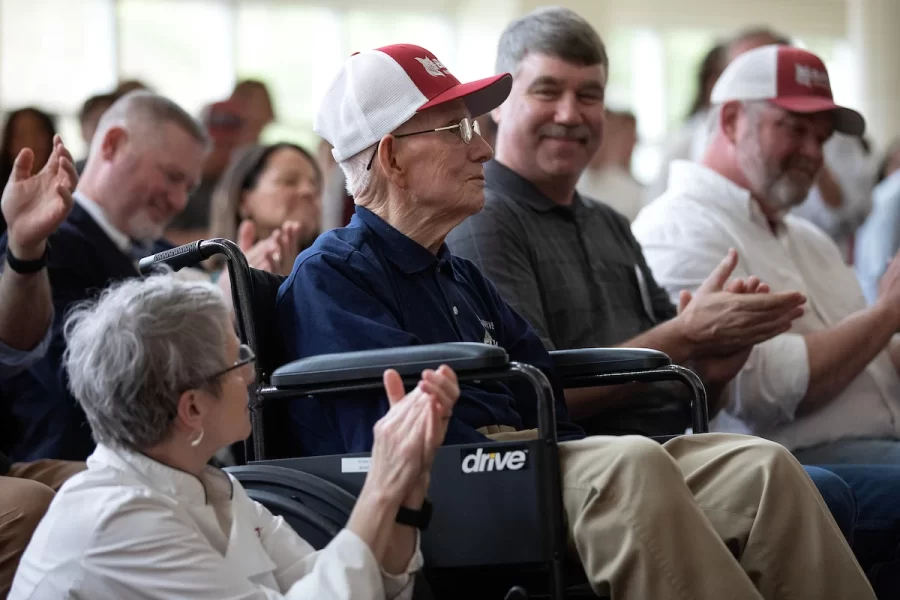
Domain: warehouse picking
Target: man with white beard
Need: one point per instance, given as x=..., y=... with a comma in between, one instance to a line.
x=829, y=388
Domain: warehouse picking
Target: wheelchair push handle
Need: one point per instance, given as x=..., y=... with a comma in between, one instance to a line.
x=189, y=255
x=176, y=258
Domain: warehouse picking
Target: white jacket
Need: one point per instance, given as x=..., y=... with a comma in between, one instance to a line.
x=130, y=527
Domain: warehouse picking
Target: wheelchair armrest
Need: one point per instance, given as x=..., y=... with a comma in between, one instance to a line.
x=611, y=366
x=570, y=364
x=368, y=366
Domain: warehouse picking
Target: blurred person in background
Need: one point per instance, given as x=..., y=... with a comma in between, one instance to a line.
x=224, y=123
x=131, y=85
x=89, y=117
x=841, y=198
x=150, y=518
x=878, y=240
x=231, y=124
x=680, y=147
x=829, y=389
x=25, y=128
x=256, y=108
x=264, y=188
x=608, y=177
x=34, y=205
x=145, y=158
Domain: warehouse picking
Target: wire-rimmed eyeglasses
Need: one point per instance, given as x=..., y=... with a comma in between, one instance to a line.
x=467, y=129
x=245, y=357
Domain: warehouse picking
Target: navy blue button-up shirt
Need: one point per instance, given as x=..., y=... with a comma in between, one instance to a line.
x=368, y=286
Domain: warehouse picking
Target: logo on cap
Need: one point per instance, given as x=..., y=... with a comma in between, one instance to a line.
x=811, y=76
x=433, y=66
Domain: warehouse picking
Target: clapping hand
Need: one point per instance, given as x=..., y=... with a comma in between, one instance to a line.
x=34, y=206
x=408, y=436
x=720, y=320
x=274, y=254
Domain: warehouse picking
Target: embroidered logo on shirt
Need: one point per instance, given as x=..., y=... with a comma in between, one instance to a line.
x=433, y=66
x=488, y=328
x=258, y=534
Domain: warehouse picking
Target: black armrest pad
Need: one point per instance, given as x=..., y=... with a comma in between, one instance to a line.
x=598, y=361
x=409, y=361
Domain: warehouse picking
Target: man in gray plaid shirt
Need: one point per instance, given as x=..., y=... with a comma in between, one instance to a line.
x=571, y=266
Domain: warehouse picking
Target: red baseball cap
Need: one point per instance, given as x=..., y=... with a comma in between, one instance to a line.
x=378, y=90
x=788, y=77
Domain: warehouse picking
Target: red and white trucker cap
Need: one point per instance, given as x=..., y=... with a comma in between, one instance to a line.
x=378, y=90
x=788, y=77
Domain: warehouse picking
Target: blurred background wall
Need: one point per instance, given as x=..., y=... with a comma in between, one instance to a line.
x=56, y=53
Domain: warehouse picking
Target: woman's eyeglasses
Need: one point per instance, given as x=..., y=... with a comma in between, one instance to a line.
x=245, y=357
x=467, y=130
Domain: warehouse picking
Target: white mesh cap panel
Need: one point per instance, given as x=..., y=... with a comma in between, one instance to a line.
x=751, y=76
x=370, y=97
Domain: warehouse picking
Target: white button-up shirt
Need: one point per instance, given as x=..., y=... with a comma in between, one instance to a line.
x=687, y=232
x=130, y=527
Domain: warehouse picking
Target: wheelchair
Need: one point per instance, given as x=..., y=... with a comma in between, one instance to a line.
x=498, y=527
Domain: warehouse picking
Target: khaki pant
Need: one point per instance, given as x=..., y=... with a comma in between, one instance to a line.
x=25, y=494
x=649, y=521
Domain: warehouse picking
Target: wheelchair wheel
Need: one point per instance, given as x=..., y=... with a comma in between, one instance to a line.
x=316, y=509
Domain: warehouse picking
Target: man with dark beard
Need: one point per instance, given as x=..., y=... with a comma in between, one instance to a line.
x=829, y=388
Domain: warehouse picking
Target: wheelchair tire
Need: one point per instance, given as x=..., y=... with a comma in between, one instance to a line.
x=308, y=525
x=315, y=508
x=326, y=499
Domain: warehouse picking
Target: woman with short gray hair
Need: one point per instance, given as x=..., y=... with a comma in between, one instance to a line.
x=158, y=370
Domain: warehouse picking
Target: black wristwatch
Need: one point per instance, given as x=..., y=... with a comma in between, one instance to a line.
x=26, y=267
x=416, y=518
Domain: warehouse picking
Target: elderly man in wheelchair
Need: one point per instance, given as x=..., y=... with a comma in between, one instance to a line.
x=700, y=516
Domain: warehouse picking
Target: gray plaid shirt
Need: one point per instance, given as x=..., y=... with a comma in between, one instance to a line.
x=575, y=273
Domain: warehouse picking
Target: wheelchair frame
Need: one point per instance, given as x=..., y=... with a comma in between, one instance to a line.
x=472, y=362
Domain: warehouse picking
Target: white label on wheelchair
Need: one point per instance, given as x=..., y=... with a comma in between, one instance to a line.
x=359, y=464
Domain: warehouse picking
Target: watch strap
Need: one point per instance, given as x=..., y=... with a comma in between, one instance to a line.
x=26, y=267
x=416, y=518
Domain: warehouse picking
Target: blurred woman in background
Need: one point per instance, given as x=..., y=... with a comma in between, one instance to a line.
x=878, y=239
x=263, y=188
x=25, y=128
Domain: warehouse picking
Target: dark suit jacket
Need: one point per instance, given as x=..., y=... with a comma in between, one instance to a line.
x=39, y=418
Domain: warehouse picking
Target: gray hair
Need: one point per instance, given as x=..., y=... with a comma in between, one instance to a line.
x=141, y=108
x=133, y=351
x=554, y=31
x=358, y=177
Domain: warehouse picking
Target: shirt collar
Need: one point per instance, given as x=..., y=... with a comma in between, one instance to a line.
x=501, y=179
x=694, y=179
x=96, y=212
x=215, y=486
x=410, y=256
